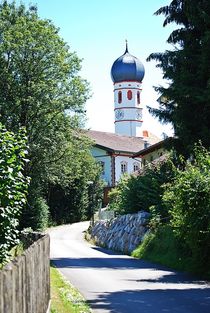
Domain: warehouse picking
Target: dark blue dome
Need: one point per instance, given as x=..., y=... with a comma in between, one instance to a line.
x=127, y=68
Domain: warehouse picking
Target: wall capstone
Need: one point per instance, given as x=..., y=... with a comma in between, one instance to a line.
x=123, y=233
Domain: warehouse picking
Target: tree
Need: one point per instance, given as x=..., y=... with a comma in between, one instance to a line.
x=69, y=194
x=39, y=83
x=186, y=100
x=143, y=192
x=13, y=187
x=188, y=201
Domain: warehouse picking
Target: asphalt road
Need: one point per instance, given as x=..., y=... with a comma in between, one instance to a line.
x=116, y=283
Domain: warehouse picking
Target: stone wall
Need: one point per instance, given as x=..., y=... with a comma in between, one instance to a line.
x=123, y=233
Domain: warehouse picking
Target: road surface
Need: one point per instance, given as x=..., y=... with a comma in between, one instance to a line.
x=116, y=283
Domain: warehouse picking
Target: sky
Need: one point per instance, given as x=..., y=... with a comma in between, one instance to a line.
x=96, y=30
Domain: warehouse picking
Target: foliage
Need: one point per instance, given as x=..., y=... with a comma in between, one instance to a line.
x=188, y=201
x=13, y=187
x=40, y=89
x=74, y=198
x=185, y=101
x=144, y=191
x=35, y=216
x=163, y=247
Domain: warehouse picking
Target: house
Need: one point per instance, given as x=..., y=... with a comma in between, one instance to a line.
x=114, y=151
x=153, y=152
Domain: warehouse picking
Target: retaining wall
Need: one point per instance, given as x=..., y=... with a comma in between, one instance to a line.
x=123, y=233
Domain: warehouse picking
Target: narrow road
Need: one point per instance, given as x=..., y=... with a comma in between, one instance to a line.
x=116, y=283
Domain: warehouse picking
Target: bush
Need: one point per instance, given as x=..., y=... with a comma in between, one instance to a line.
x=163, y=247
x=143, y=191
x=188, y=201
x=13, y=188
x=36, y=214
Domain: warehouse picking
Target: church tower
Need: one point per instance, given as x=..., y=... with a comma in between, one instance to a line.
x=127, y=73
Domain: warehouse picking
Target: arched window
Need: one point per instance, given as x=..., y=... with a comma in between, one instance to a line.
x=136, y=166
x=102, y=164
x=124, y=167
x=119, y=96
x=138, y=97
x=129, y=95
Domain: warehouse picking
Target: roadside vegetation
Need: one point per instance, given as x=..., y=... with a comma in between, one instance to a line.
x=179, y=225
x=47, y=174
x=64, y=297
x=176, y=191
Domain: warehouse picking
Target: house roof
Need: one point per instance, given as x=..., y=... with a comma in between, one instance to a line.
x=152, y=148
x=117, y=143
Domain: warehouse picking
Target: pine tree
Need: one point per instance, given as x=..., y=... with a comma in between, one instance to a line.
x=186, y=101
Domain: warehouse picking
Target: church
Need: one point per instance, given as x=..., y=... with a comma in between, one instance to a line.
x=115, y=151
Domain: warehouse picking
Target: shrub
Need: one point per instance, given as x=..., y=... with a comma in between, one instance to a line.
x=36, y=214
x=143, y=191
x=188, y=200
x=13, y=188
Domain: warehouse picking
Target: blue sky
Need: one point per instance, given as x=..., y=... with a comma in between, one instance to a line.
x=96, y=30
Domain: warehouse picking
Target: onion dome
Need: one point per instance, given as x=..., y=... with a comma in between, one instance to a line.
x=127, y=68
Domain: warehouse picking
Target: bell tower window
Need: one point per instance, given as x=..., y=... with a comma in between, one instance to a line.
x=138, y=97
x=129, y=95
x=120, y=97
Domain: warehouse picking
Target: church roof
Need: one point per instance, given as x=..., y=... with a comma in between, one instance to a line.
x=127, y=68
x=117, y=143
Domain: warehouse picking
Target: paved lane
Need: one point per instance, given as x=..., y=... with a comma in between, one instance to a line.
x=117, y=283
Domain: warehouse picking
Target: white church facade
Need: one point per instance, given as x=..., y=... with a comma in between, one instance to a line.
x=115, y=151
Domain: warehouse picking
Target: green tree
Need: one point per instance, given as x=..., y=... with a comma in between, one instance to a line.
x=185, y=102
x=70, y=195
x=39, y=84
x=13, y=187
x=143, y=192
x=188, y=201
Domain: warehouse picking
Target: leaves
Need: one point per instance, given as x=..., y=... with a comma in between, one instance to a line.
x=13, y=187
x=39, y=83
x=185, y=101
x=144, y=191
x=188, y=201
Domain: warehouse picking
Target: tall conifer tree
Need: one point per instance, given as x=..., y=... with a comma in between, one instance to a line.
x=186, y=101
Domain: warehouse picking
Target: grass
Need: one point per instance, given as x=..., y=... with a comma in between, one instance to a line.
x=64, y=297
x=162, y=247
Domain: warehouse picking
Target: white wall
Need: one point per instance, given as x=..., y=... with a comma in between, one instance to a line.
x=130, y=164
x=131, y=111
x=102, y=155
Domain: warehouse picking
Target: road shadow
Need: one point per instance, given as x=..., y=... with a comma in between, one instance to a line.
x=153, y=301
x=164, y=275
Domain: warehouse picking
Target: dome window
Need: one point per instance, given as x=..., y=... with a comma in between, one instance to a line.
x=129, y=95
x=120, y=97
x=138, y=97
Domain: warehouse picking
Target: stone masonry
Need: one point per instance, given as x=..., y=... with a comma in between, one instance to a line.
x=123, y=233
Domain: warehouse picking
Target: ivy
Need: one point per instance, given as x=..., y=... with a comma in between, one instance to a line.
x=13, y=187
